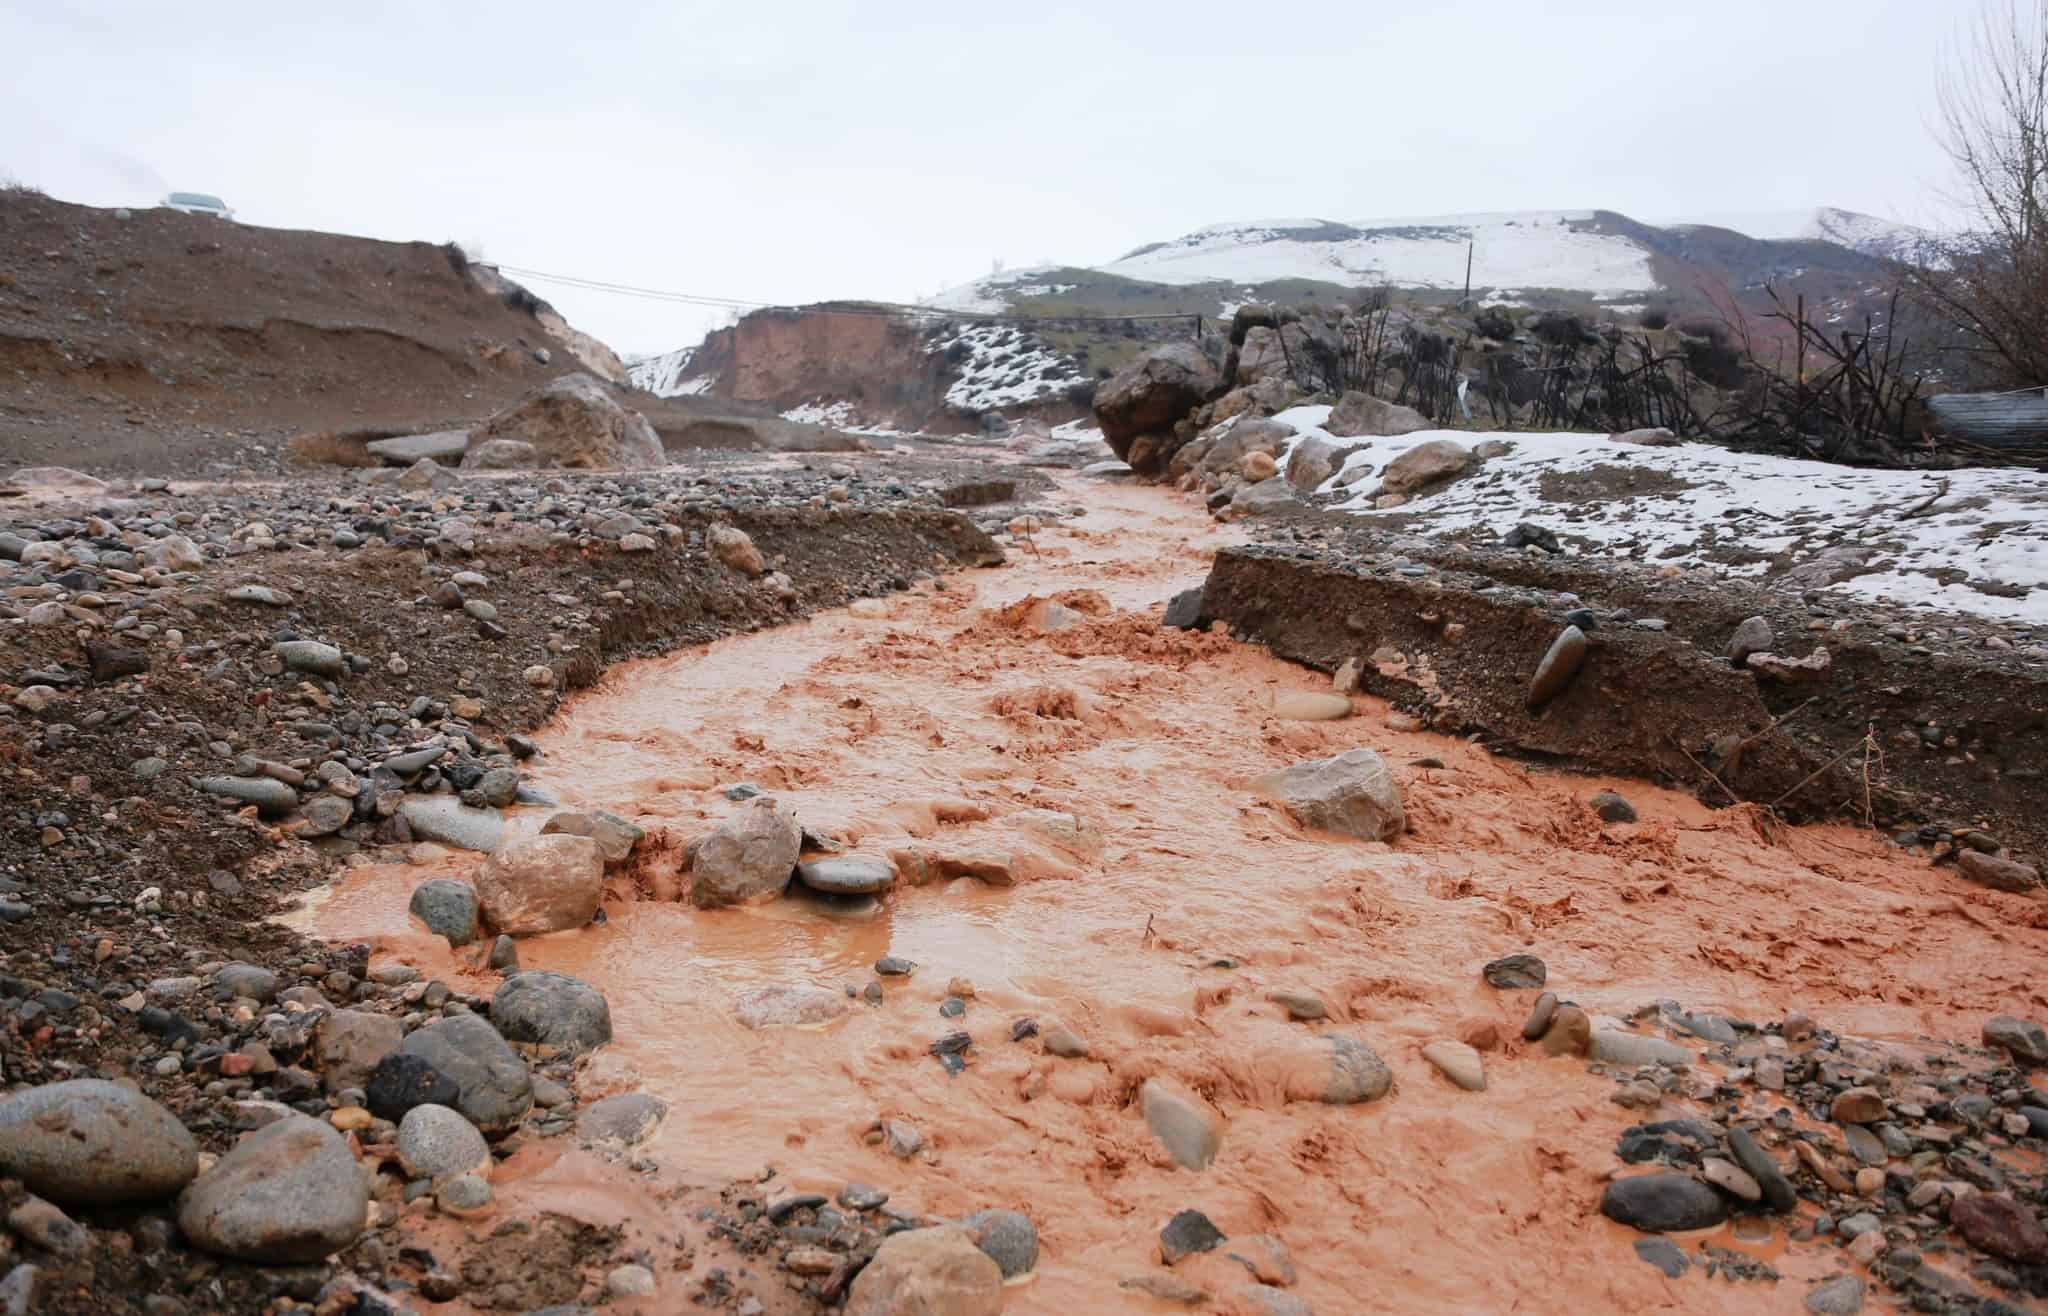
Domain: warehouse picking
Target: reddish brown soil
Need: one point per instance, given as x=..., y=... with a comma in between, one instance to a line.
x=162, y=340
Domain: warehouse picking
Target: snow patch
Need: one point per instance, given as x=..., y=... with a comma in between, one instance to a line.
x=1002, y=366
x=663, y=375
x=1981, y=548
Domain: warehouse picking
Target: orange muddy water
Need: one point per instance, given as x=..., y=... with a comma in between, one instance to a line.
x=933, y=725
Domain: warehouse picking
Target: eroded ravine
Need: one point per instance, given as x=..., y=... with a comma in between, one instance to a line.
x=874, y=727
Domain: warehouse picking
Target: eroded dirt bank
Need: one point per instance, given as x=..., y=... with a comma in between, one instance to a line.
x=927, y=729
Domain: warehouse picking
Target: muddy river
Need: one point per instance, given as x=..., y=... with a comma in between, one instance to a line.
x=1156, y=931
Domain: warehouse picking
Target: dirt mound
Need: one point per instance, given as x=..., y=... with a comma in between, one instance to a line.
x=160, y=342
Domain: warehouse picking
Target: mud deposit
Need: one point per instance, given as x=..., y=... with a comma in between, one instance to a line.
x=925, y=728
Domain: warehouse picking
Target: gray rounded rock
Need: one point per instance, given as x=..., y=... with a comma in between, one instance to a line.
x=551, y=1011
x=627, y=1118
x=447, y=907
x=290, y=1192
x=310, y=656
x=267, y=794
x=849, y=876
x=250, y=980
x=86, y=1142
x=495, y=1091
x=1008, y=1237
x=435, y=1142
x=1357, y=1074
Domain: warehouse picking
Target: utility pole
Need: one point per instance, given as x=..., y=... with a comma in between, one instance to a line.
x=1471, y=242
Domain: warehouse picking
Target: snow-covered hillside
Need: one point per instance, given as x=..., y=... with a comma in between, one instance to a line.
x=1532, y=249
x=1868, y=234
x=667, y=375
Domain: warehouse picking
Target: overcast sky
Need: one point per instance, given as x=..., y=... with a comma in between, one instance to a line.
x=794, y=150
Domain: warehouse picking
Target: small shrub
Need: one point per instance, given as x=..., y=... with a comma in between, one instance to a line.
x=1655, y=317
x=1494, y=322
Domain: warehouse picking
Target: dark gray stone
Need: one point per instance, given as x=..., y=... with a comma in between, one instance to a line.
x=1664, y=1254
x=1187, y=1233
x=1779, y=1194
x=401, y=1081
x=494, y=1091
x=1008, y=1237
x=1516, y=972
x=1184, y=610
x=852, y=876
x=552, y=1011
x=1663, y=1203
x=447, y=907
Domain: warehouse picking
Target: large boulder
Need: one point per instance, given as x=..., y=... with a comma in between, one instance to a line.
x=928, y=1272
x=87, y=1142
x=1361, y=415
x=1148, y=397
x=493, y=1089
x=1351, y=793
x=1425, y=466
x=1269, y=495
x=289, y=1193
x=575, y=422
x=541, y=884
x=749, y=857
x=1249, y=435
x=552, y=1012
x=1313, y=461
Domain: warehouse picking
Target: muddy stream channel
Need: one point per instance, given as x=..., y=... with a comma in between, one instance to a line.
x=1151, y=930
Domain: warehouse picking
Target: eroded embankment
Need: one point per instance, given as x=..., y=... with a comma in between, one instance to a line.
x=1882, y=732
x=1165, y=922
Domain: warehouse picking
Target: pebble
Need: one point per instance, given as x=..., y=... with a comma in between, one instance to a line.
x=1311, y=706
x=1840, y=1296
x=1183, y=1123
x=1540, y=1014
x=1300, y=1006
x=937, y=1270
x=448, y=907
x=1458, y=1062
x=1614, y=1047
x=630, y=1281
x=44, y=1225
x=625, y=1118
x=846, y=875
x=1558, y=666
x=465, y=1195
x=1612, y=808
x=1007, y=1237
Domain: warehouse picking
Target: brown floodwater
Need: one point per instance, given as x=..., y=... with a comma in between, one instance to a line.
x=932, y=719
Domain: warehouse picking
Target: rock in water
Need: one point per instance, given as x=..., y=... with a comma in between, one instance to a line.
x=615, y=836
x=541, y=884
x=1184, y=610
x=553, y=1012
x=849, y=875
x=928, y=1272
x=1187, y=1233
x=493, y=1088
x=1311, y=706
x=288, y=1193
x=1520, y=971
x=1182, y=1123
x=749, y=857
x=785, y=1005
x=1558, y=667
x=1612, y=808
x=1459, y=1063
x=1663, y=1203
x=86, y=1142
x=1350, y=793
x=448, y=820
x=626, y=1118
x=1008, y=1237
x=447, y=907
x=435, y=1142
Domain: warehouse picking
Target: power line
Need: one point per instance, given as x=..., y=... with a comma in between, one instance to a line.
x=870, y=310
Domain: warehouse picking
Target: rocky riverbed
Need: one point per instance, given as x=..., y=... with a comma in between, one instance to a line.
x=920, y=930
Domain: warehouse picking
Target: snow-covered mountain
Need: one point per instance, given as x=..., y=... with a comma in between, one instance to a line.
x=668, y=375
x=1883, y=238
x=1601, y=255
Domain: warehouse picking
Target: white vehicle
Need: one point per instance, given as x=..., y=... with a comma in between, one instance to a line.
x=198, y=203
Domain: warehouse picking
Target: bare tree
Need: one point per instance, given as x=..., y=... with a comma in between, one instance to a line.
x=1990, y=286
